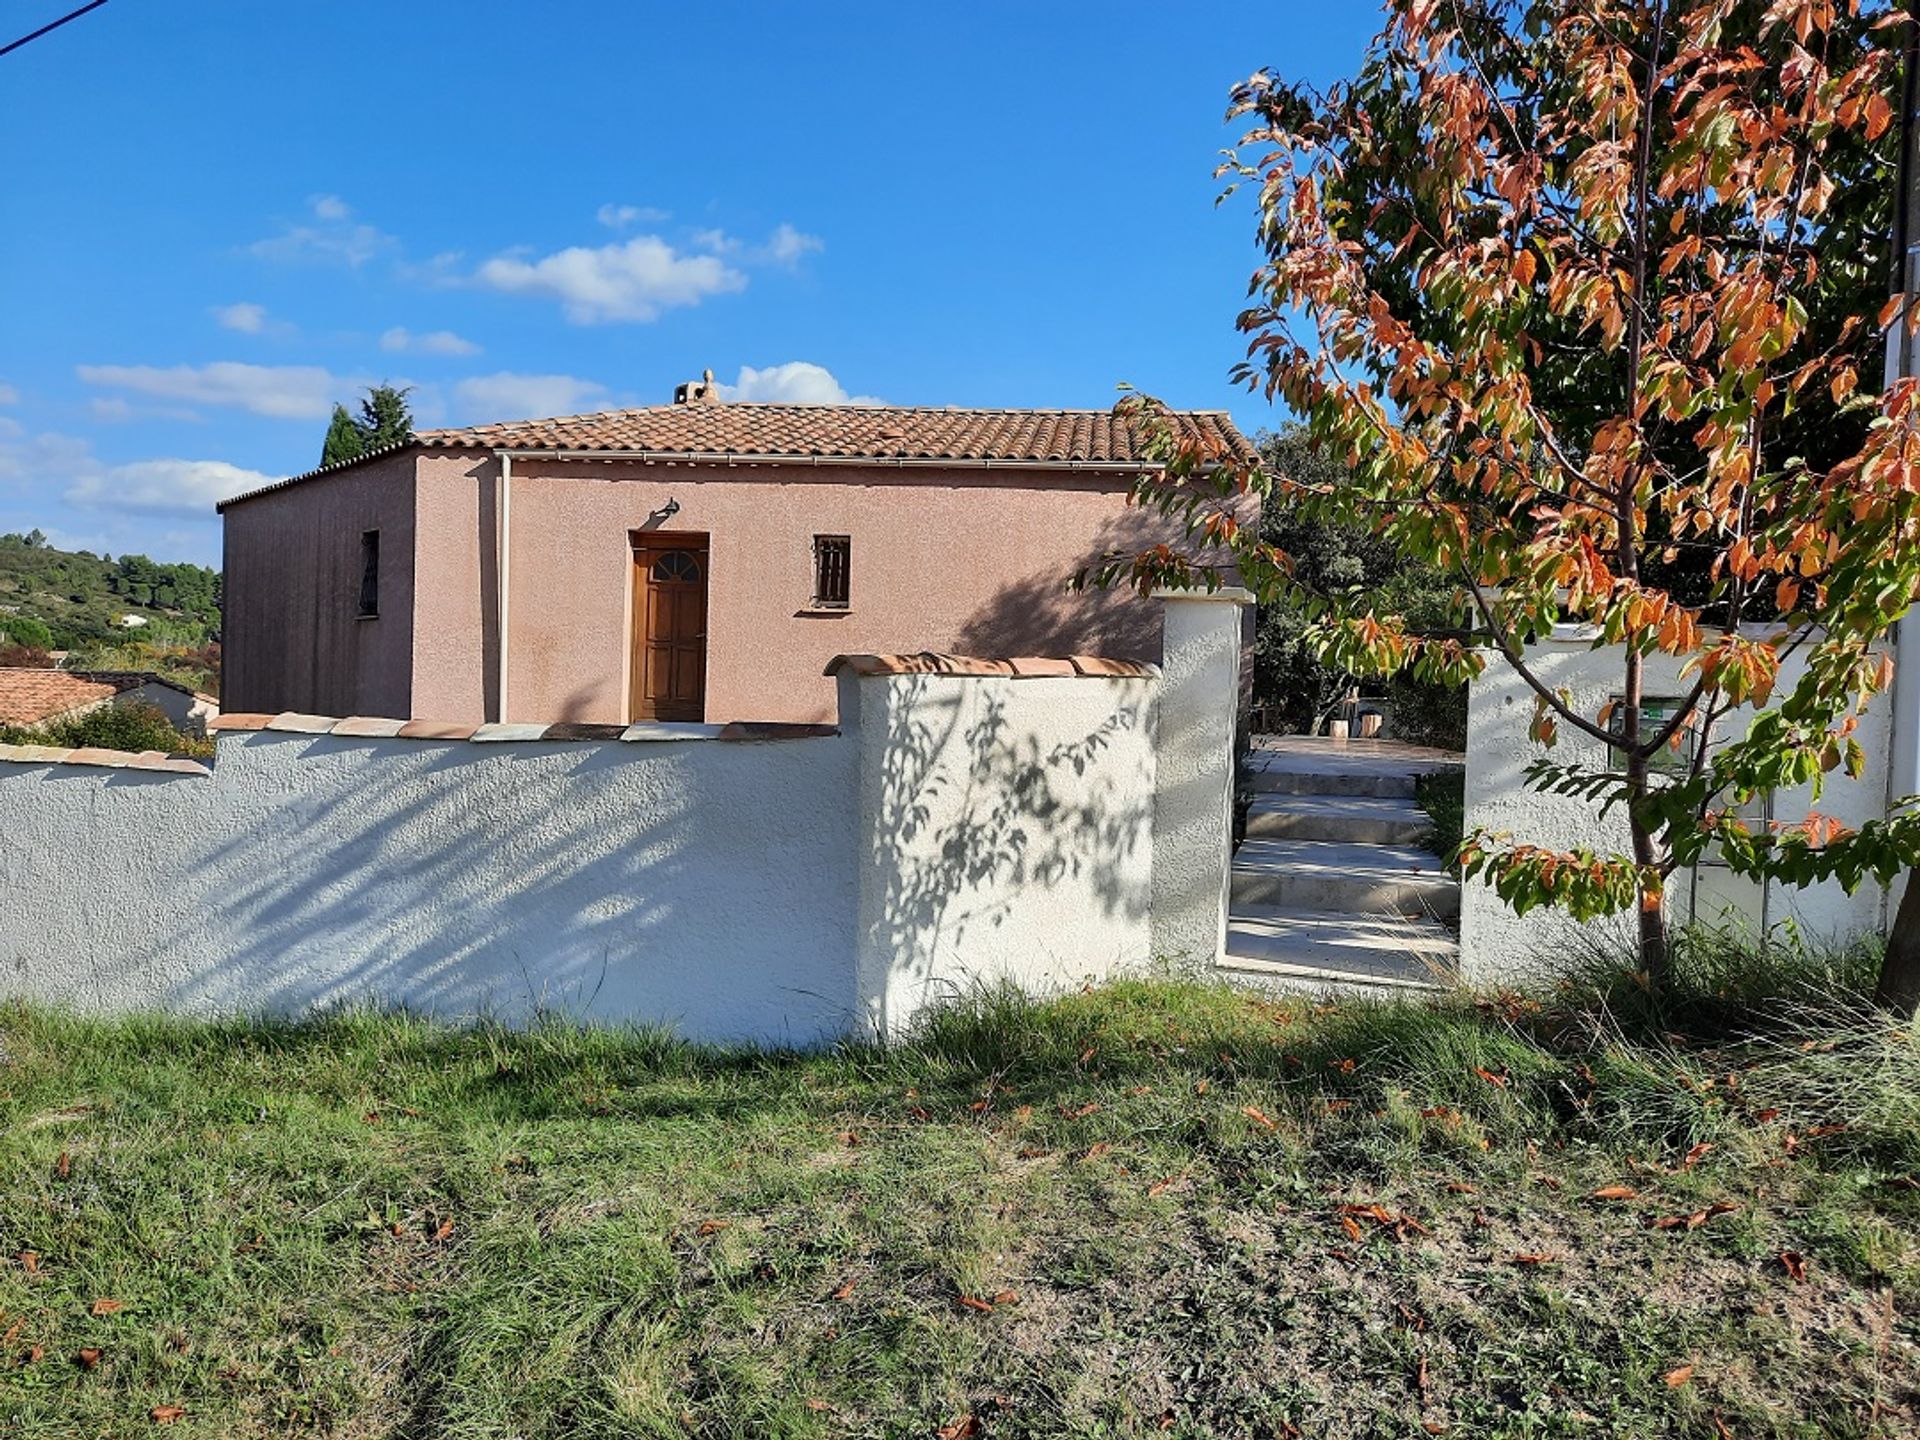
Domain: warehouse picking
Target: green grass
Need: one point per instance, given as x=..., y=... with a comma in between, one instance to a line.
x=1443, y=795
x=379, y=1226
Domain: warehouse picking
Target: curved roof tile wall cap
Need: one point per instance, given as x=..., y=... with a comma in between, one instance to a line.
x=153, y=760
x=369, y=727
x=1023, y=667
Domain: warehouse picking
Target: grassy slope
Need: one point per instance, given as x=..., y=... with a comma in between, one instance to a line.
x=375, y=1226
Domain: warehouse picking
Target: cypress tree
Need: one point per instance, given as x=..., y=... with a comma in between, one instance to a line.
x=345, y=441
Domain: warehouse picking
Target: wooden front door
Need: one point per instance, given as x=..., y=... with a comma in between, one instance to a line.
x=669, y=678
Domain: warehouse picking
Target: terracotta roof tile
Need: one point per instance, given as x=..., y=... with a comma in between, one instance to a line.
x=28, y=696
x=846, y=432
x=853, y=434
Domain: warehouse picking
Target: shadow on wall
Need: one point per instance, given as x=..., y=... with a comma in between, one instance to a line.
x=1011, y=836
x=689, y=883
x=1039, y=615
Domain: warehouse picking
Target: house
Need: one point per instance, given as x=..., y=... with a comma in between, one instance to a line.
x=684, y=562
x=36, y=697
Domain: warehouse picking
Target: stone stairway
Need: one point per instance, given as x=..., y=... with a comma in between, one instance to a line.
x=1332, y=888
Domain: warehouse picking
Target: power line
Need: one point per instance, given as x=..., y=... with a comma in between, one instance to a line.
x=44, y=29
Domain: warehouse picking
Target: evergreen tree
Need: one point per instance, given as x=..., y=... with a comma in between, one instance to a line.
x=384, y=419
x=344, y=439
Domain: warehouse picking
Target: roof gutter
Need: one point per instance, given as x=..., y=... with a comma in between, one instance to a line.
x=737, y=458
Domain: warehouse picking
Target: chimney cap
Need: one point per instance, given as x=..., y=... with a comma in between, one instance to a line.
x=697, y=392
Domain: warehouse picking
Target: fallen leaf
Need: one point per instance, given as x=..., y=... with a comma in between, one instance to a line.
x=1433, y=1427
x=29, y=1261
x=1535, y=1257
x=965, y=1428
x=1345, y=1067
x=63, y=1167
x=974, y=1302
x=1614, y=1192
x=920, y=1112
x=1081, y=1112
x=1086, y=1055
x=1766, y=1116
x=106, y=1307
x=1551, y=1182
x=87, y=1359
x=167, y=1414
x=1157, y=1188
x=1460, y=1187
x=1199, y=1087
x=713, y=1227
x=1436, y=1112
x=819, y=1407
x=1352, y=1229
x=1258, y=1116
x=845, y=1292
x=1094, y=1152
x=1501, y=1081
x=1794, y=1263
x=1678, y=1377
x=1695, y=1155
x=32, y=1357
x=372, y=1117
x=848, y=1138
x=1005, y=1297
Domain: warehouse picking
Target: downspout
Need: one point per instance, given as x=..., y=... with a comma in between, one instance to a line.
x=503, y=512
x=1903, y=741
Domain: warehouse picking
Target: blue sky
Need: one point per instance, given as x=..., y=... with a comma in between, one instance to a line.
x=220, y=216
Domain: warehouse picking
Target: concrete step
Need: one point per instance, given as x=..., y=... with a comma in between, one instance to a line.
x=1328, y=875
x=1356, y=819
x=1314, y=947
x=1271, y=781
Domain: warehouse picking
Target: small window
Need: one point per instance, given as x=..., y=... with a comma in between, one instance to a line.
x=369, y=574
x=682, y=565
x=832, y=567
x=1656, y=713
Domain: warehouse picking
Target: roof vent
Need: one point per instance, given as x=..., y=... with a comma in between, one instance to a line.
x=697, y=392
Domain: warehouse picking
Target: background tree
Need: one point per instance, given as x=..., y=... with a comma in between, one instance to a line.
x=1290, y=679
x=383, y=421
x=1545, y=279
x=344, y=441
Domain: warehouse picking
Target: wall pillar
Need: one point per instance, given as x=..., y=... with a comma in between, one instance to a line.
x=1193, y=789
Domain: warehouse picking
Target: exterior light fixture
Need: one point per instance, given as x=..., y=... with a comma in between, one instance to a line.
x=668, y=510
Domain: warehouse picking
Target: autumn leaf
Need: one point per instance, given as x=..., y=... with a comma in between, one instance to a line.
x=106, y=1307
x=845, y=1292
x=1535, y=1257
x=1794, y=1263
x=1614, y=1192
x=63, y=1167
x=1679, y=1376
x=712, y=1227
x=443, y=1230
x=965, y=1428
x=1158, y=1188
x=1080, y=1112
x=1258, y=1116
x=1352, y=1228
x=1095, y=1151
x=167, y=1414
x=1695, y=1155
x=819, y=1407
x=1005, y=1297
x=974, y=1302
x=1461, y=1187
x=29, y=1261
x=1499, y=1081
x=87, y=1359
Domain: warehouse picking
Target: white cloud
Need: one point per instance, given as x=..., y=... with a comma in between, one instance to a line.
x=51, y=463
x=718, y=241
x=331, y=234
x=789, y=244
x=428, y=342
x=633, y=280
x=246, y=317
x=164, y=487
x=8, y=395
x=281, y=392
x=510, y=396
x=798, y=382
x=619, y=217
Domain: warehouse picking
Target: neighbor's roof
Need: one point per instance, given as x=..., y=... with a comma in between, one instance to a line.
x=850, y=434
x=28, y=696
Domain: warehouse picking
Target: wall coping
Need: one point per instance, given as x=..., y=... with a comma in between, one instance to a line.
x=1222, y=595
x=149, y=760
x=1021, y=667
x=380, y=728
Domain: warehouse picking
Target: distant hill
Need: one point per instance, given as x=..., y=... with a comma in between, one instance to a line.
x=81, y=598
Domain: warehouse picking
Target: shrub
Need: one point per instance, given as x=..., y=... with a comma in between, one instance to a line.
x=112, y=727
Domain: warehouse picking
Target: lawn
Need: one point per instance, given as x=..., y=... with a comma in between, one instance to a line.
x=1156, y=1208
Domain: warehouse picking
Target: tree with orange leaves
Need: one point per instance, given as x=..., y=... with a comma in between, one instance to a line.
x=1540, y=280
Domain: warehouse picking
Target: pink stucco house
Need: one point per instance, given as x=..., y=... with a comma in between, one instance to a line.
x=691, y=561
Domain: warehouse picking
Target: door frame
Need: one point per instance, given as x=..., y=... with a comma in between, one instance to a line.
x=647, y=544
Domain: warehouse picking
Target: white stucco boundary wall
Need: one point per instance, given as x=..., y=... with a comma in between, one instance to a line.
x=1498, y=946
x=781, y=885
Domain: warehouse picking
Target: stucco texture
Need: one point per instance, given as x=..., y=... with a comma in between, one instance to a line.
x=1497, y=945
x=292, y=637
